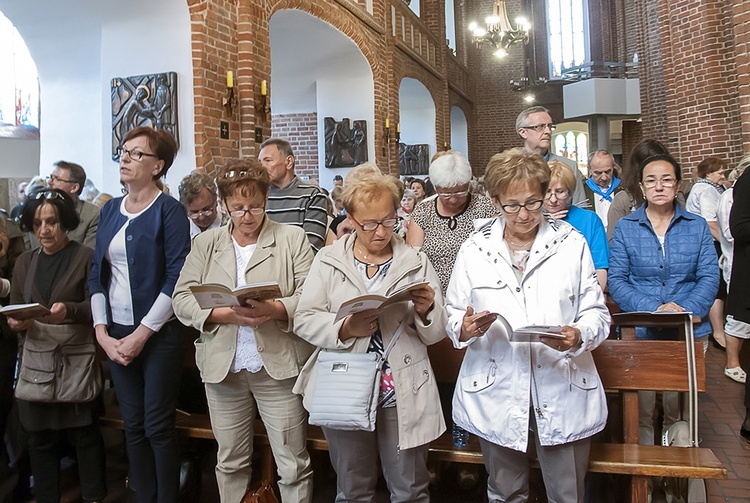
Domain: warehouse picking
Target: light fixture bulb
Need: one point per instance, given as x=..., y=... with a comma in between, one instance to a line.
x=529, y=98
x=473, y=26
x=521, y=21
x=480, y=32
x=501, y=53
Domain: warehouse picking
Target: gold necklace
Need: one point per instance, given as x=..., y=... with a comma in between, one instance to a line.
x=519, y=245
x=365, y=257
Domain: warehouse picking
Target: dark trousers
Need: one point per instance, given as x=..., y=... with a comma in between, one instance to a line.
x=45, y=447
x=147, y=392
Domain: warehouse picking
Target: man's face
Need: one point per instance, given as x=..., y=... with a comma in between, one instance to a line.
x=60, y=179
x=533, y=139
x=202, y=209
x=338, y=182
x=278, y=166
x=602, y=170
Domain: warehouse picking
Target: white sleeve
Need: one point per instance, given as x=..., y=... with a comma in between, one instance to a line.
x=161, y=312
x=99, y=309
x=709, y=201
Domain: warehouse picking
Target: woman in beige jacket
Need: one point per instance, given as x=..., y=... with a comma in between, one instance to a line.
x=248, y=355
x=374, y=260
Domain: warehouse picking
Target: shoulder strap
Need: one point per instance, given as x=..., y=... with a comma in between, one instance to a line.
x=30, y=273
x=393, y=341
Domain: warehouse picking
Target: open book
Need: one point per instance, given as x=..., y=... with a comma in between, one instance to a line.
x=25, y=311
x=212, y=295
x=529, y=333
x=374, y=301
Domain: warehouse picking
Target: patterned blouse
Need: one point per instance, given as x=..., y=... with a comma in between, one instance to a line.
x=443, y=236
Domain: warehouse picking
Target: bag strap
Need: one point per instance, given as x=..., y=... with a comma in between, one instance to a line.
x=30, y=274
x=393, y=341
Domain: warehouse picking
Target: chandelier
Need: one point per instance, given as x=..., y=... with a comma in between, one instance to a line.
x=498, y=32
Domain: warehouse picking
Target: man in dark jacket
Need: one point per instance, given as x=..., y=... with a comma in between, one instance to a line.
x=738, y=300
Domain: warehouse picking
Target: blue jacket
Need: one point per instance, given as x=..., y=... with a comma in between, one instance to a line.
x=156, y=242
x=642, y=278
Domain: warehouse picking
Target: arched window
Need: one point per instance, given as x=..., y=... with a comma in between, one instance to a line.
x=19, y=81
x=567, y=23
x=573, y=145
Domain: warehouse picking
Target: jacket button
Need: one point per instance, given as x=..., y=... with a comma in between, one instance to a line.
x=663, y=283
x=407, y=359
x=544, y=405
x=130, y=238
x=661, y=267
x=474, y=384
x=518, y=288
x=538, y=366
x=260, y=348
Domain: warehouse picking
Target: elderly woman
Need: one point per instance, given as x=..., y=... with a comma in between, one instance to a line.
x=248, y=355
x=444, y=222
x=557, y=202
x=704, y=201
x=544, y=390
x=375, y=260
x=56, y=276
x=198, y=196
x=662, y=258
x=408, y=202
x=141, y=245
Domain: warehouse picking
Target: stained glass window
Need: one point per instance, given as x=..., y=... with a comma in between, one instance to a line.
x=567, y=25
x=19, y=81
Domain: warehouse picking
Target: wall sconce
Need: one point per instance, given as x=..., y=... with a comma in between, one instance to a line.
x=387, y=130
x=398, y=132
x=262, y=106
x=229, y=101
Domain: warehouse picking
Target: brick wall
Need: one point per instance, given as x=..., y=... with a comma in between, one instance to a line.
x=741, y=20
x=301, y=130
x=632, y=133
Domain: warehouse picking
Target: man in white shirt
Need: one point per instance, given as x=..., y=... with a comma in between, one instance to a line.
x=602, y=184
x=199, y=197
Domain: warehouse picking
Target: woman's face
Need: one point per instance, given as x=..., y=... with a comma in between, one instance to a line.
x=557, y=198
x=407, y=203
x=47, y=229
x=246, y=213
x=418, y=190
x=717, y=177
x=139, y=171
x=453, y=199
x=659, y=183
x=378, y=209
x=526, y=220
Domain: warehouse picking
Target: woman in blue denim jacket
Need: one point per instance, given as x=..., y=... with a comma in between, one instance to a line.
x=662, y=258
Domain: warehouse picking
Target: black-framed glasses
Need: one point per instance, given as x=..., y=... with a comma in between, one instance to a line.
x=514, y=208
x=387, y=223
x=256, y=212
x=46, y=194
x=540, y=127
x=55, y=178
x=136, y=155
x=665, y=182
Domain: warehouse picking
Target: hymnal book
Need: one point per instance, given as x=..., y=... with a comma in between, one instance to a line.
x=25, y=311
x=529, y=333
x=212, y=295
x=374, y=301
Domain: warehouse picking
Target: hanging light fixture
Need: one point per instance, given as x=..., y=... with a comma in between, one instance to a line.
x=498, y=33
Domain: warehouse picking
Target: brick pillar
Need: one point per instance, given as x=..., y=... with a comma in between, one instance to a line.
x=741, y=14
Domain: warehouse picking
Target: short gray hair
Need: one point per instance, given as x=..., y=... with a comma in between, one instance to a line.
x=603, y=153
x=450, y=170
x=193, y=184
x=521, y=119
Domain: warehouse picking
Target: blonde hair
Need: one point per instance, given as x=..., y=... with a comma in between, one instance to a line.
x=559, y=172
x=515, y=167
x=362, y=184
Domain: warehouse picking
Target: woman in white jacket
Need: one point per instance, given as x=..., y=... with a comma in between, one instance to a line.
x=531, y=270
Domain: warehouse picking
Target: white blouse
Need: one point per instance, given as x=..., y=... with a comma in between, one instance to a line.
x=246, y=356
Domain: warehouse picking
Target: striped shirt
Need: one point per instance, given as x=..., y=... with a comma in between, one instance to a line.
x=303, y=205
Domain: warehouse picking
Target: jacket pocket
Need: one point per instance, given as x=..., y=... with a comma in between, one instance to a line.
x=583, y=380
x=200, y=354
x=478, y=382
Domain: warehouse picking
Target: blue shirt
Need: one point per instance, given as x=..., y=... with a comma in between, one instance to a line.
x=590, y=225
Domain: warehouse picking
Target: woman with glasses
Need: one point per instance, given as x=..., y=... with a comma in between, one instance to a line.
x=444, y=221
x=662, y=258
x=56, y=275
x=375, y=260
x=248, y=355
x=513, y=392
x=198, y=195
x=141, y=245
x=558, y=204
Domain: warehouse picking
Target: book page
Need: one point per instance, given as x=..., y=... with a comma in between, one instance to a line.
x=25, y=311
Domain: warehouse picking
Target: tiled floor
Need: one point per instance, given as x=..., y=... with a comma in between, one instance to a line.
x=721, y=411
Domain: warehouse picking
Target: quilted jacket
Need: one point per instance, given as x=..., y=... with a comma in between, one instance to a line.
x=642, y=277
